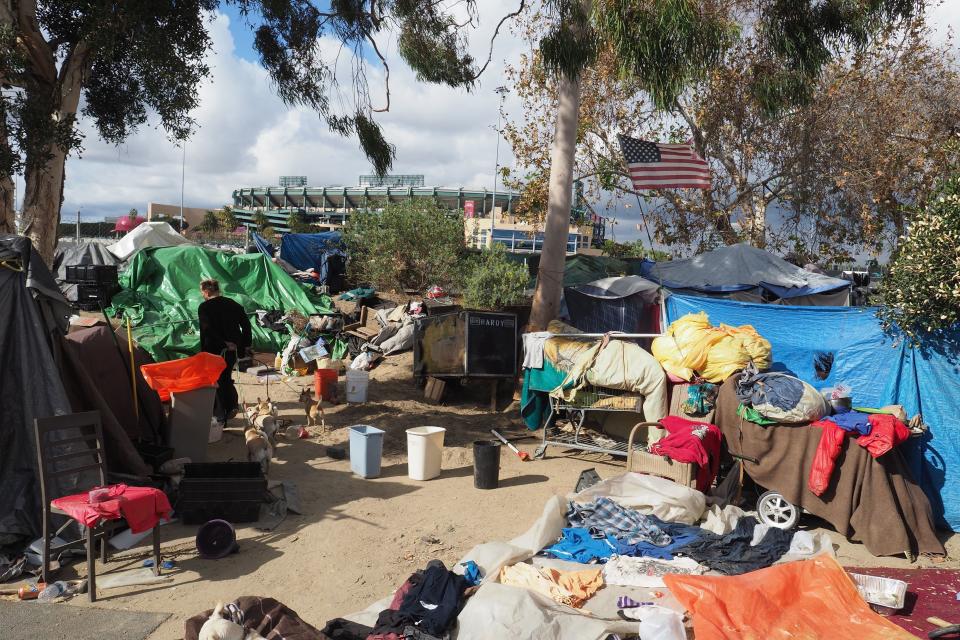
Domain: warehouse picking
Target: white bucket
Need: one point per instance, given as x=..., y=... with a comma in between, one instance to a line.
x=357, y=382
x=424, y=452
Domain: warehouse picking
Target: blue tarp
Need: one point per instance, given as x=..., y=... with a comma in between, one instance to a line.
x=261, y=243
x=312, y=251
x=880, y=370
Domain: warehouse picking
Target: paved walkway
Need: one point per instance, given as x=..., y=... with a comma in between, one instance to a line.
x=34, y=621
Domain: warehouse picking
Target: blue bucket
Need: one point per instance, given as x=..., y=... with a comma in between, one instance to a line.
x=366, y=448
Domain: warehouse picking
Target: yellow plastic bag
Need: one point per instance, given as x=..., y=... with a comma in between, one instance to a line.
x=684, y=347
x=737, y=347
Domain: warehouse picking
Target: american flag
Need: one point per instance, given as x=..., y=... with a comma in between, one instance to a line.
x=664, y=166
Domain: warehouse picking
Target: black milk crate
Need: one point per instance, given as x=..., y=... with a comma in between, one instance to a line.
x=231, y=491
x=105, y=274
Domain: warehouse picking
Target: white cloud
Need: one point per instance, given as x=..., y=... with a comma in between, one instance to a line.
x=246, y=136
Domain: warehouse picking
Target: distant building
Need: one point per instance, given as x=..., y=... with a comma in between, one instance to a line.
x=328, y=208
x=293, y=181
x=191, y=215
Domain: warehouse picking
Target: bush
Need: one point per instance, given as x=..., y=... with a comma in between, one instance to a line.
x=410, y=245
x=493, y=281
x=921, y=291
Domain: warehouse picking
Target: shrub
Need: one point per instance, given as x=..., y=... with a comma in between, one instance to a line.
x=409, y=245
x=921, y=292
x=493, y=281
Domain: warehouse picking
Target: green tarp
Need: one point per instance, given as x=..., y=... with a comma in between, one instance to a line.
x=161, y=293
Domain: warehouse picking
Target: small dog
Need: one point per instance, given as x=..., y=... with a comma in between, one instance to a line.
x=269, y=425
x=313, y=410
x=259, y=448
x=224, y=625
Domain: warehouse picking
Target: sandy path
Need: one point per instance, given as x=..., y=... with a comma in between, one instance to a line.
x=358, y=539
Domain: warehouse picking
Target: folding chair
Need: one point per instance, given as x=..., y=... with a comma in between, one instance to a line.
x=72, y=445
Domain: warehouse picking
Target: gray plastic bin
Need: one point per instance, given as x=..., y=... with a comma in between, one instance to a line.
x=366, y=449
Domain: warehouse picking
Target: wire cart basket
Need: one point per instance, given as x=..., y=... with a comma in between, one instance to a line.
x=572, y=435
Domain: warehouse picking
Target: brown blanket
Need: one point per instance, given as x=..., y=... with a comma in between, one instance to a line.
x=271, y=619
x=871, y=500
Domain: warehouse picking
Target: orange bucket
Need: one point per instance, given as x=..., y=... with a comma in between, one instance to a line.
x=325, y=384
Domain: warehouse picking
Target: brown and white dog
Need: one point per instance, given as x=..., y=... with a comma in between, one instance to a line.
x=259, y=447
x=221, y=625
x=313, y=410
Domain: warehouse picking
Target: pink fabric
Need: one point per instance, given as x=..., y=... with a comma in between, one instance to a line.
x=886, y=432
x=141, y=507
x=690, y=441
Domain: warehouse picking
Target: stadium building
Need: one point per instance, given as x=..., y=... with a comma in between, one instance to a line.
x=488, y=217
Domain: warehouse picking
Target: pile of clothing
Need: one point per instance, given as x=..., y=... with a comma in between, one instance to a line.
x=692, y=347
x=768, y=398
x=604, y=529
x=424, y=607
x=878, y=432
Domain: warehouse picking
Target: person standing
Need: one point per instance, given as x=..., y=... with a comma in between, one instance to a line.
x=224, y=331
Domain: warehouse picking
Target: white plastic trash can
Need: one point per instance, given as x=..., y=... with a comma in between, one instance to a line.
x=366, y=449
x=357, y=382
x=424, y=452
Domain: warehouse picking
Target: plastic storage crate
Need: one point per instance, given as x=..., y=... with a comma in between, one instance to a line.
x=231, y=491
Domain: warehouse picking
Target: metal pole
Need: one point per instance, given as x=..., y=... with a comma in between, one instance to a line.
x=78, y=226
x=183, y=170
x=502, y=92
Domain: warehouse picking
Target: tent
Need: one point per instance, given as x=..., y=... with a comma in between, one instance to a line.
x=148, y=234
x=745, y=273
x=629, y=304
x=320, y=252
x=40, y=378
x=825, y=346
x=161, y=295
x=73, y=253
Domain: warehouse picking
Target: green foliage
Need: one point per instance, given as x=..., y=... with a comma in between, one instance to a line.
x=409, y=245
x=261, y=220
x=493, y=281
x=210, y=222
x=132, y=214
x=227, y=219
x=298, y=223
x=921, y=292
x=633, y=249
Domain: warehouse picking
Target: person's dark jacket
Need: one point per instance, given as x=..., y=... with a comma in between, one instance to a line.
x=221, y=321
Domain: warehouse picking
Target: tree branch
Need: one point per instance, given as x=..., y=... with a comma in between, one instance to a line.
x=33, y=41
x=386, y=69
x=523, y=5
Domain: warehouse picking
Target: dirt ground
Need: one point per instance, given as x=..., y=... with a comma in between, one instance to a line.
x=358, y=539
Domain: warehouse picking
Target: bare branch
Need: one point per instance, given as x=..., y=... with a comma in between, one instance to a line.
x=523, y=5
x=386, y=69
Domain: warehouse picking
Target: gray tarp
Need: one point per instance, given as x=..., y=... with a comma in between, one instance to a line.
x=31, y=313
x=741, y=270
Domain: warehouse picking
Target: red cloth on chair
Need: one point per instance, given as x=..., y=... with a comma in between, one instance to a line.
x=141, y=507
x=690, y=441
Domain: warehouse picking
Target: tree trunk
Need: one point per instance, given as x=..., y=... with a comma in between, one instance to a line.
x=546, y=298
x=758, y=221
x=7, y=206
x=42, y=198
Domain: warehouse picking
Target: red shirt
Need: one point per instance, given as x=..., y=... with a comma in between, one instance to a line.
x=141, y=507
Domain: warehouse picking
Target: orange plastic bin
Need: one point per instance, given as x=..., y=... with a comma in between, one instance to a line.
x=187, y=374
x=325, y=384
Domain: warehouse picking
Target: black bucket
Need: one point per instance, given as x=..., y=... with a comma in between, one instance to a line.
x=486, y=464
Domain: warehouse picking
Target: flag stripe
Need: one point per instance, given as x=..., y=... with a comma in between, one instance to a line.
x=652, y=165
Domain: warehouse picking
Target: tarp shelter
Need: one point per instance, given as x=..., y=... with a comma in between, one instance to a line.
x=629, y=304
x=826, y=346
x=33, y=319
x=161, y=294
x=146, y=235
x=322, y=252
x=73, y=253
x=745, y=273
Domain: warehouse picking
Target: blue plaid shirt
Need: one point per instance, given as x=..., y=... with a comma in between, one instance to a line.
x=627, y=525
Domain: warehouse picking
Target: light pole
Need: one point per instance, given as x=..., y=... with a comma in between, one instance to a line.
x=183, y=170
x=502, y=92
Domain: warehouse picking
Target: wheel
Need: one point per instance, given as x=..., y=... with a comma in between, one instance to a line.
x=540, y=452
x=777, y=511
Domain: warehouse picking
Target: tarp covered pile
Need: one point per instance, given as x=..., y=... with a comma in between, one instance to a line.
x=72, y=253
x=161, y=295
x=145, y=236
x=826, y=347
x=742, y=272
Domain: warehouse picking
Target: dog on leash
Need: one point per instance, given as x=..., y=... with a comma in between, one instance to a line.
x=259, y=447
x=226, y=625
x=313, y=410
